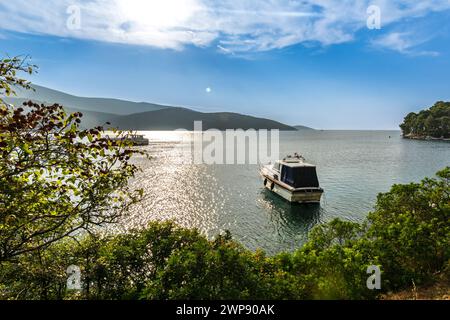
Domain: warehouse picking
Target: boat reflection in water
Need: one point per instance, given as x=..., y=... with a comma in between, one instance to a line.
x=291, y=218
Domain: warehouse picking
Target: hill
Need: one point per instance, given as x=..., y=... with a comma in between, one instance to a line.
x=107, y=105
x=175, y=118
x=127, y=115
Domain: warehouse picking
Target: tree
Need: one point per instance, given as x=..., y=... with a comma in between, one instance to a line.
x=55, y=179
x=433, y=122
x=219, y=269
x=9, y=68
x=410, y=230
x=407, y=125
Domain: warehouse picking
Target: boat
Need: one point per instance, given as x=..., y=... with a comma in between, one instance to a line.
x=138, y=140
x=293, y=179
x=135, y=139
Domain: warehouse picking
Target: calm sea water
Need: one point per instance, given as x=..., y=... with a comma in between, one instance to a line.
x=353, y=167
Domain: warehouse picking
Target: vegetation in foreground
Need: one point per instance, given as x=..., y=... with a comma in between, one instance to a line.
x=408, y=236
x=433, y=122
x=57, y=183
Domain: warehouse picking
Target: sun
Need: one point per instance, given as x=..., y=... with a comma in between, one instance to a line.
x=158, y=13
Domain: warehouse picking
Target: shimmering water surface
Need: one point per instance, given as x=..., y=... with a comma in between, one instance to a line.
x=353, y=166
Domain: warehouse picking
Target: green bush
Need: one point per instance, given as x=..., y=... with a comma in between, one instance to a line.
x=407, y=235
x=410, y=230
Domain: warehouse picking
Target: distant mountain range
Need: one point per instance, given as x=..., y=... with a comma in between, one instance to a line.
x=104, y=105
x=128, y=115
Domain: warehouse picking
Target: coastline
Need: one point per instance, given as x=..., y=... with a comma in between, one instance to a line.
x=425, y=138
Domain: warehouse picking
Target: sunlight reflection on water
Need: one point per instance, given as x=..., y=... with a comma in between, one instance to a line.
x=352, y=167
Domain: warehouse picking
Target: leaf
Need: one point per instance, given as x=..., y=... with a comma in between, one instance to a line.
x=27, y=149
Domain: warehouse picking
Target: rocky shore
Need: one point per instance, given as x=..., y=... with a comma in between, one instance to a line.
x=421, y=137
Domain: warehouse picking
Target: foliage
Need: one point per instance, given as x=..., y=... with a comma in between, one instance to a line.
x=9, y=81
x=335, y=259
x=410, y=230
x=407, y=235
x=40, y=274
x=433, y=122
x=55, y=179
x=219, y=269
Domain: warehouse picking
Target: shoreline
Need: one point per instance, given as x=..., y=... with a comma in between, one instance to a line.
x=425, y=138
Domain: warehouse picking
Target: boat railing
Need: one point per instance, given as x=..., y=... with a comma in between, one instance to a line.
x=296, y=156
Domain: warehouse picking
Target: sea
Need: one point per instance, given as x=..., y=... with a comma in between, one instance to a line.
x=353, y=168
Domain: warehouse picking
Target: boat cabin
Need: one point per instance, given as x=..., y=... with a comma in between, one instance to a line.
x=296, y=173
x=293, y=179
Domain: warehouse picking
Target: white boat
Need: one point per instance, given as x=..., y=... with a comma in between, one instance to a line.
x=293, y=179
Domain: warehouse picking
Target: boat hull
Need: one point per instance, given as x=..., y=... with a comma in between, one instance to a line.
x=303, y=195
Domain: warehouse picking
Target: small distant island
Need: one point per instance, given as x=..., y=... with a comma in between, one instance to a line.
x=428, y=124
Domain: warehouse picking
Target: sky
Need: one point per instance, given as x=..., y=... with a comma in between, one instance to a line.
x=325, y=64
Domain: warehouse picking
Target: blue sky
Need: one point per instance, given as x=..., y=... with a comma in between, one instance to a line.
x=299, y=62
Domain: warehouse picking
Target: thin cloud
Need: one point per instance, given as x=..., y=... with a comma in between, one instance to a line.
x=243, y=26
x=404, y=43
x=225, y=50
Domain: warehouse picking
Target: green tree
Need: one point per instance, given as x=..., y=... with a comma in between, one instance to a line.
x=407, y=125
x=335, y=260
x=55, y=179
x=220, y=269
x=434, y=122
x=410, y=230
x=9, y=80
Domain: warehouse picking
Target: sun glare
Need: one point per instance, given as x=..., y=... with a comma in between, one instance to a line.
x=158, y=13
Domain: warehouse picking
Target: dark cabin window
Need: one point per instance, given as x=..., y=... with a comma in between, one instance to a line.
x=300, y=177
